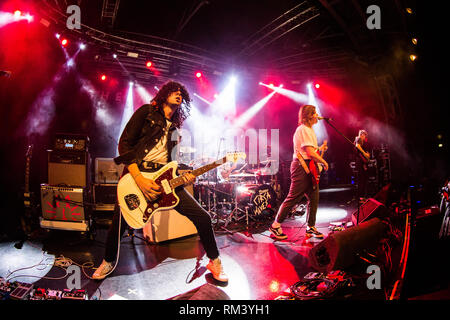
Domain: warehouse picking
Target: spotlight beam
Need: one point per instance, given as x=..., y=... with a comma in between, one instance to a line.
x=296, y=96
x=253, y=110
x=203, y=99
x=127, y=111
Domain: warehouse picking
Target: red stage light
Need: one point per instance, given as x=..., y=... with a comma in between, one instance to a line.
x=198, y=75
x=17, y=14
x=317, y=86
x=64, y=42
x=149, y=64
x=103, y=77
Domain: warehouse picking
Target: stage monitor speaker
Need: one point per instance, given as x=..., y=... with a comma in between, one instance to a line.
x=338, y=251
x=68, y=168
x=368, y=210
x=63, y=208
x=204, y=292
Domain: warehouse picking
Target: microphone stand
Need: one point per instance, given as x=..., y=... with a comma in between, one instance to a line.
x=327, y=120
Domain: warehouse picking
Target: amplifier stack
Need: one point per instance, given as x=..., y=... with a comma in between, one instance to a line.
x=63, y=198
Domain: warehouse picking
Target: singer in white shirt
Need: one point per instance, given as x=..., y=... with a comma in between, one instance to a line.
x=305, y=142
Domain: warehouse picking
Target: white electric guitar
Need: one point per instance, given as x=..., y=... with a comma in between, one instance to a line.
x=137, y=209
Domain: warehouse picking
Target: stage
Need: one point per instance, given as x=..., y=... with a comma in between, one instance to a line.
x=203, y=80
x=259, y=267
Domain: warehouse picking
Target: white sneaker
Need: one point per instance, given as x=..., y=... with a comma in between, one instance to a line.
x=103, y=270
x=215, y=266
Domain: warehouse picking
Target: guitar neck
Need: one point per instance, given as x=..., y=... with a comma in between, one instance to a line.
x=176, y=182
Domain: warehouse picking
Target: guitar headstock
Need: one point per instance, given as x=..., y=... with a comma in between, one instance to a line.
x=29, y=151
x=235, y=156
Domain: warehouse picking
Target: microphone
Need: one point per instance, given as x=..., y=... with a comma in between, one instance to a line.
x=324, y=118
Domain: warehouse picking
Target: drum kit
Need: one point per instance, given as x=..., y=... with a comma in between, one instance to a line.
x=237, y=194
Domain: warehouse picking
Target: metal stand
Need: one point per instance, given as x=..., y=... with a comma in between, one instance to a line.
x=132, y=235
x=348, y=140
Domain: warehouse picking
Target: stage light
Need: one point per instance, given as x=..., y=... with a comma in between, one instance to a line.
x=271, y=85
x=198, y=75
x=149, y=64
x=82, y=46
x=128, y=109
x=28, y=17
x=115, y=56
x=57, y=35
x=409, y=10
x=64, y=42
x=412, y=57
x=414, y=41
x=103, y=77
x=17, y=14
x=317, y=86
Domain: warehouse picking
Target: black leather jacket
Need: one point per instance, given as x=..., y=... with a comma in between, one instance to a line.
x=142, y=132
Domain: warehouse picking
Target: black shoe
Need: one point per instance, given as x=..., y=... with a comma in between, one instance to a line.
x=313, y=232
x=278, y=233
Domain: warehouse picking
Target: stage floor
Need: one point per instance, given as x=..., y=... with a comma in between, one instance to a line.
x=259, y=267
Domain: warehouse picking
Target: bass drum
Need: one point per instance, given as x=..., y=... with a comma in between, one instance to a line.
x=263, y=202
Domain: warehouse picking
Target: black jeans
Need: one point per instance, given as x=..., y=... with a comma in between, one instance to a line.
x=301, y=185
x=363, y=179
x=188, y=207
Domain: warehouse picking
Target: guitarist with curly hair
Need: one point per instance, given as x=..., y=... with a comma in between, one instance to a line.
x=303, y=180
x=146, y=146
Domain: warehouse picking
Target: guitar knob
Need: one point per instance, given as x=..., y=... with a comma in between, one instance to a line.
x=156, y=205
x=149, y=210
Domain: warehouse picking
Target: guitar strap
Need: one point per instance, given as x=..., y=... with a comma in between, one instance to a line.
x=302, y=161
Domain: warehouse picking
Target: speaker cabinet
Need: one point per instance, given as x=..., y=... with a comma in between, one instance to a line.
x=168, y=225
x=107, y=171
x=68, y=168
x=368, y=210
x=338, y=250
x=63, y=208
x=105, y=196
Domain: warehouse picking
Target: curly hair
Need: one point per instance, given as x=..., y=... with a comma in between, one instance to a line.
x=161, y=97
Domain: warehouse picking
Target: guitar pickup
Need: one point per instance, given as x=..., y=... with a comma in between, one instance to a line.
x=166, y=186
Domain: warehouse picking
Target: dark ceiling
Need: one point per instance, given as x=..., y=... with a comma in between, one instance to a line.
x=295, y=38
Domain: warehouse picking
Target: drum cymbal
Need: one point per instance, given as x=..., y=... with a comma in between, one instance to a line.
x=187, y=149
x=266, y=161
x=241, y=175
x=261, y=172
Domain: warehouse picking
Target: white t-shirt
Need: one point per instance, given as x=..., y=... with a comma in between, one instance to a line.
x=159, y=153
x=304, y=136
